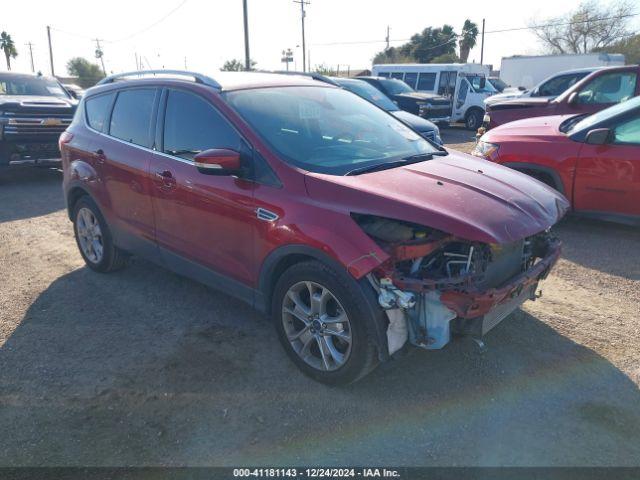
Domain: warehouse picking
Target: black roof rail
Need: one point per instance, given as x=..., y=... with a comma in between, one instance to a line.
x=197, y=77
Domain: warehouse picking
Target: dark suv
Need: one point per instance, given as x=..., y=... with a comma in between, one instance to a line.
x=354, y=233
x=426, y=105
x=34, y=111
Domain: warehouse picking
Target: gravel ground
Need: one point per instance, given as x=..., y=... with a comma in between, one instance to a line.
x=143, y=367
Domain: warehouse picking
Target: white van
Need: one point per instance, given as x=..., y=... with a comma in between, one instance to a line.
x=464, y=83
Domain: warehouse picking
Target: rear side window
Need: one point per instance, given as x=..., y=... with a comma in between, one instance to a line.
x=131, y=117
x=193, y=125
x=97, y=109
x=384, y=74
x=397, y=75
x=426, y=81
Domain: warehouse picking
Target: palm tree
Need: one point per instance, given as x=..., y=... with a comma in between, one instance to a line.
x=467, y=39
x=8, y=47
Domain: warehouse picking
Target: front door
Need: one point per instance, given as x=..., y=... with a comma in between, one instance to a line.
x=447, y=84
x=603, y=91
x=608, y=176
x=201, y=220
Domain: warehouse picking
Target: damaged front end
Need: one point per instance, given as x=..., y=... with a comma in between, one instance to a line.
x=435, y=285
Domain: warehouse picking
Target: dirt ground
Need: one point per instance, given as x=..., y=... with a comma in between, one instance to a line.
x=143, y=367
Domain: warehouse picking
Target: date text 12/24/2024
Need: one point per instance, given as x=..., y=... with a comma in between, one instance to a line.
x=315, y=473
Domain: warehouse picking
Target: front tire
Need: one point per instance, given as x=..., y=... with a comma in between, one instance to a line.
x=473, y=119
x=320, y=318
x=94, y=239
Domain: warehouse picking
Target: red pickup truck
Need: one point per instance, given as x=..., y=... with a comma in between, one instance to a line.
x=597, y=91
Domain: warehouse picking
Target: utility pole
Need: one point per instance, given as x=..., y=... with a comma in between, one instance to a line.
x=387, y=38
x=99, y=54
x=302, y=15
x=30, y=45
x=53, y=74
x=247, y=57
x=482, y=45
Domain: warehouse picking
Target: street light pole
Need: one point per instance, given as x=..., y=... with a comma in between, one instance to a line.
x=247, y=57
x=50, y=50
x=482, y=45
x=304, y=48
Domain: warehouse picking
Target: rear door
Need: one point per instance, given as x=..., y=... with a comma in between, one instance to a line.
x=207, y=220
x=608, y=176
x=122, y=159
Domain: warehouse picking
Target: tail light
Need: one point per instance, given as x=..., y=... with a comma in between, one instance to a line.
x=65, y=137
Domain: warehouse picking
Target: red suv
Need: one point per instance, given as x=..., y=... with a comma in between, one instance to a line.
x=592, y=159
x=601, y=89
x=356, y=234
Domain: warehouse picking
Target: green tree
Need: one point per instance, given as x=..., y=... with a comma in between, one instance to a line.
x=88, y=73
x=423, y=47
x=446, y=58
x=236, y=65
x=467, y=39
x=392, y=55
x=8, y=47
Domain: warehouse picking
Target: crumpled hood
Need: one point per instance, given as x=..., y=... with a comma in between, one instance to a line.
x=458, y=194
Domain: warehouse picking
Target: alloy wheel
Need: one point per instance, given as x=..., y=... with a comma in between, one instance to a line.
x=316, y=326
x=90, y=235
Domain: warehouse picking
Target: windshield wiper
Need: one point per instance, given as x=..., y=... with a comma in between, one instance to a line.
x=420, y=157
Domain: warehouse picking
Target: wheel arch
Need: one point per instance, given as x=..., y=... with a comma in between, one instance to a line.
x=72, y=197
x=554, y=177
x=284, y=257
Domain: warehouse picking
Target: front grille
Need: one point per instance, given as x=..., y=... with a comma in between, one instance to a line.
x=27, y=124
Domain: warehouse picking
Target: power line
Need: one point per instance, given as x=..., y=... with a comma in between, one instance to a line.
x=532, y=27
x=135, y=34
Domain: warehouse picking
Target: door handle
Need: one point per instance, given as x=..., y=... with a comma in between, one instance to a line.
x=166, y=178
x=99, y=154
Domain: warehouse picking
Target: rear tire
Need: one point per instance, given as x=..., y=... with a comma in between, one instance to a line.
x=94, y=239
x=473, y=119
x=332, y=344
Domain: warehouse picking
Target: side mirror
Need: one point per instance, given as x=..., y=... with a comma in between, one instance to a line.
x=573, y=98
x=598, y=136
x=218, y=161
x=521, y=88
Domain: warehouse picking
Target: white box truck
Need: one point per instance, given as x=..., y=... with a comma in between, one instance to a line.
x=528, y=71
x=465, y=84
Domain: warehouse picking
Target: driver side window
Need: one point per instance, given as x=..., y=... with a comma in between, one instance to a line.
x=612, y=87
x=627, y=133
x=193, y=125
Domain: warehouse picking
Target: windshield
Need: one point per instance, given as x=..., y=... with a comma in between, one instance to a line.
x=326, y=130
x=19, y=85
x=369, y=92
x=605, y=114
x=476, y=80
x=395, y=86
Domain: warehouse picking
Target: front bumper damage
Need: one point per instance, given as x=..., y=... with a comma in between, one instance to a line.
x=427, y=311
